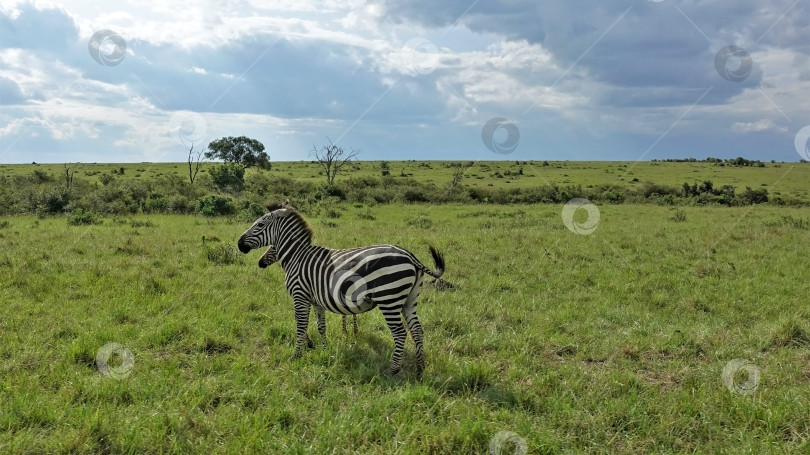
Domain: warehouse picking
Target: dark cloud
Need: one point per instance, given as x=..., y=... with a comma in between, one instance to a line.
x=662, y=46
x=279, y=77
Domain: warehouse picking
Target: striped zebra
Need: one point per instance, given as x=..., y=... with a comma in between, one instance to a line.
x=346, y=282
x=270, y=257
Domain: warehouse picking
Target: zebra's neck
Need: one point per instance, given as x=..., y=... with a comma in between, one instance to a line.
x=289, y=248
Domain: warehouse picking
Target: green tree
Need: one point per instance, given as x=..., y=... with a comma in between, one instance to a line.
x=229, y=176
x=240, y=150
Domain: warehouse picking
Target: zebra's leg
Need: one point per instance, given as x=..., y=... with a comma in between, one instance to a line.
x=343, y=318
x=354, y=324
x=393, y=318
x=321, y=314
x=415, y=328
x=310, y=345
x=301, y=323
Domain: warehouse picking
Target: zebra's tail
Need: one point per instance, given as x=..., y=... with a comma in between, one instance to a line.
x=438, y=259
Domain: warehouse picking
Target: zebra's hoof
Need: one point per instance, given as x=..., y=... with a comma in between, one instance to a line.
x=391, y=372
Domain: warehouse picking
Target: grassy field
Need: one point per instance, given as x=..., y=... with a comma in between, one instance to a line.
x=615, y=341
x=781, y=179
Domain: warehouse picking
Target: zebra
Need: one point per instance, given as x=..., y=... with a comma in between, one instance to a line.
x=349, y=281
x=270, y=257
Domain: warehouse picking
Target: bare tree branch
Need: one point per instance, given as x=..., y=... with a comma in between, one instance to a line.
x=332, y=158
x=69, y=176
x=194, y=163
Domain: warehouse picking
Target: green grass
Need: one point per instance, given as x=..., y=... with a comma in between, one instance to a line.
x=609, y=342
x=788, y=180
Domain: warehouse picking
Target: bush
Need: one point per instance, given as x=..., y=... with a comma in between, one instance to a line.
x=39, y=176
x=216, y=205
x=334, y=192
x=757, y=196
x=80, y=217
x=158, y=205
x=222, y=254
x=420, y=221
x=52, y=201
x=250, y=211
x=367, y=215
x=678, y=215
x=228, y=176
x=106, y=179
x=653, y=189
x=412, y=196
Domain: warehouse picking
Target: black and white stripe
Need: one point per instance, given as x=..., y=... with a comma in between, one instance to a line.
x=270, y=257
x=346, y=282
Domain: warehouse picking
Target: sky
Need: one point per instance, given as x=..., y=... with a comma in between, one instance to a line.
x=125, y=81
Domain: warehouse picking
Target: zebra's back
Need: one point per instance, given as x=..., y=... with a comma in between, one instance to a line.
x=357, y=280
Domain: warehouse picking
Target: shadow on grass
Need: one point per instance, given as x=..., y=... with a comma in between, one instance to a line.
x=363, y=359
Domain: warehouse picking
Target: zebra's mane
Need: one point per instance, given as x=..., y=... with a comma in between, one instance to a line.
x=300, y=222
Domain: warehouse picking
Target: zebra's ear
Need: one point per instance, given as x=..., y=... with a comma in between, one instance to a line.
x=273, y=206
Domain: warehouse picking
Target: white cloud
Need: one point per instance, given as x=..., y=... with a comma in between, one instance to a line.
x=758, y=126
x=291, y=72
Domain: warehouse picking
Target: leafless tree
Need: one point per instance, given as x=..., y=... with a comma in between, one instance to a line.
x=332, y=158
x=194, y=163
x=458, y=174
x=69, y=176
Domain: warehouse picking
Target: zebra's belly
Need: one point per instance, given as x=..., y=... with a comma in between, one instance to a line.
x=360, y=279
x=355, y=302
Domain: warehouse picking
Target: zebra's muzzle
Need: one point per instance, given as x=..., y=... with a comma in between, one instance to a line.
x=243, y=246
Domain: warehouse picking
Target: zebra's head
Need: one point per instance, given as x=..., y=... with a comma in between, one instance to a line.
x=258, y=235
x=266, y=230
x=269, y=257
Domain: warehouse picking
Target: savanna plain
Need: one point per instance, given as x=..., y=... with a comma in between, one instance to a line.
x=659, y=328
